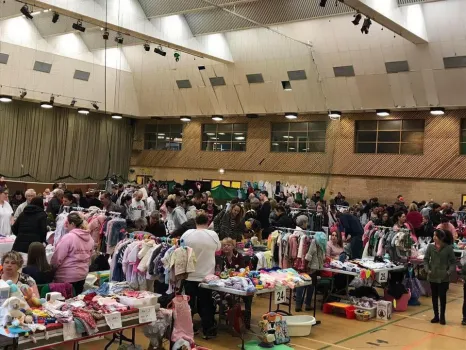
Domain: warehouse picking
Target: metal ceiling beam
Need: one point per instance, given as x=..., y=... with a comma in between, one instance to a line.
x=386, y=18
x=122, y=30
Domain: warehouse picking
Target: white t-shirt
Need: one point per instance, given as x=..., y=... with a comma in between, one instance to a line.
x=5, y=218
x=204, y=244
x=136, y=209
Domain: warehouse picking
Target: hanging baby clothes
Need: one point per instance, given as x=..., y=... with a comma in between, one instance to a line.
x=60, y=230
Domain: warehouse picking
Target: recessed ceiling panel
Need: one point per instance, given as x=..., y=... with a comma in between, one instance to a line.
x=42, y=67
x=4, y=58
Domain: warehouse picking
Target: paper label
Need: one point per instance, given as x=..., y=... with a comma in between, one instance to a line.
x=382, y=276
x=280, y=295
x=69, y=331
x=147, y=314
x=113, y=320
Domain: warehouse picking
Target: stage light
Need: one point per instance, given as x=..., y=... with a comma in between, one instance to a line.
x=73, y=102
x=105, y=35
x=79, y=26
x=6, y=98
x=217, y=118
x=357, y=19
x=23, y=94
x=146, y=47
x=94, y=104
x=366, y=25
x=25, y=11
x=185, y=119
x=291, y=116
x=160, y=51
x=382, y=112
x=117, y=116
x=46, y=105
x=55, y=17
x=437, y=111
x=84, y=111
x=119, y=39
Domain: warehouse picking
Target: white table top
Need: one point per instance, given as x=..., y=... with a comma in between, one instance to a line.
x=243, y=293
x=351, y=273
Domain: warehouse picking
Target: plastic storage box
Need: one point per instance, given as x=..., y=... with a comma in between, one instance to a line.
x=400, y=304
x=299, y=326
x=138, y=303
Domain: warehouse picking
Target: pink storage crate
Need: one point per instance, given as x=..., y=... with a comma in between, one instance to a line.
x=401, y=304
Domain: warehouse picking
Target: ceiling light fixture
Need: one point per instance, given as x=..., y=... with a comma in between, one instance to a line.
x=119, y=39
x=160, y=51
x=217, y=118
x=73, y=102
x=239, y=138
x=79, y=26
x=6, y=98
x=55, y=17
x=84, y=111
x=437, y=111
x=221, y=171
x=95, y=105
x=383, y=112
x=117, y=116
x=185, y=119
x=357, y=19
x=366, y=25
x=23, y=94
x=334, y=115
x=147, y=47
x=105, y=35
x=25, y=11
x=291, y=116
x=323, y=3
x=46, y=105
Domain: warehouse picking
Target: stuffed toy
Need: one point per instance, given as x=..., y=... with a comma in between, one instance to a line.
x=12, y=311
x=30, y=298
x=14, y=290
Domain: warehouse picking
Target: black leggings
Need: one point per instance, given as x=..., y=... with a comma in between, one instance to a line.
x=200, y=301
x=439, y=291
x=78, y=286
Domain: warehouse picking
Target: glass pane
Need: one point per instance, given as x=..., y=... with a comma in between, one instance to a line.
x=225, y=127
x=366, y=135
x=207, y=146
x=239, y=146
x=366, y=125
x=176, y=128
x=302, y=146
x=224, y=147
x=292, y=147
x=412, y=136
x=463, y=124
x=463, y=136
x=222, y=136
x=163, y=128
x=205, y=137
x=462, y=148
x=279, y=136
x=209, y=127
x=390, y=125
x=388, y=136
x=317, y=126
x=298, y=127
x=416, y=124
x=365, y=148
x=388, y=148
x=279, y=147
x=241, y=138
x=411, y=148
x=151, y=128
x=298, y=135
x=240, y=127
x=316, y=135
x=316, y=147
x=280, y=126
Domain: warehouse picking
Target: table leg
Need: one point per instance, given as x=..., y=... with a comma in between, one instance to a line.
x=314, y=282
x=114, y=337
x=133, y=336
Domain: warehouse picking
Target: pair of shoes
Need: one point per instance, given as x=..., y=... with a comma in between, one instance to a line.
x=298, y=309
x=435, y=320
x=463, y=322
x=442, y=322
x=308, y=308
x=211, y=332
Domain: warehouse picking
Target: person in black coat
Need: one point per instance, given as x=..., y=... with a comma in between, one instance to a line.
x=283, y=220
x=31, y=226
x=54, y=204
x=353, y=229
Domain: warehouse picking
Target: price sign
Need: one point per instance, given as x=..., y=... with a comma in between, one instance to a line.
x=113, y=320
x=147, y=314
x=382, y=276
x=69, y=331
x=280, y=295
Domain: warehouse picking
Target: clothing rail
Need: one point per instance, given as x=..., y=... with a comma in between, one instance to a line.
x=294, y=229
x=379, y=226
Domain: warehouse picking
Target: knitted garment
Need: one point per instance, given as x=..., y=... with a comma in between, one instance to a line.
x=183, y=325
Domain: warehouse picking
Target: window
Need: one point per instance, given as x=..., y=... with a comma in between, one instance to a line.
x=463, y=137
x=298, y=137
x=166, y=137
x=224, y=137
x=389, y=136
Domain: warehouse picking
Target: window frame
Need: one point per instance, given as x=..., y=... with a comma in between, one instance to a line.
x=156, y=140
x=461, y=142
x=380, y=129
x=217, y=135
x=292, y=131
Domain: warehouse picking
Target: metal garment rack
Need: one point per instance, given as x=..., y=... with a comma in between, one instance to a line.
x=314, y=280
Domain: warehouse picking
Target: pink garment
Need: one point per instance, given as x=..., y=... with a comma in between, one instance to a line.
x=293, y=246
x=333, y=250
x=95, y=226
x=72, y=256
x=183, y=325
x=448, y=226
x=66, y=289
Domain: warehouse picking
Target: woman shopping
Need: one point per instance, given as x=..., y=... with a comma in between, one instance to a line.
x=6, y=213
x=73, y=253
x=12, y=263
x=228, y=224
x=37, y=264
x=31, y=226
x=440, y=263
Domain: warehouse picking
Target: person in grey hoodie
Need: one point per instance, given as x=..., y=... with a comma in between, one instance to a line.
x=176, y=216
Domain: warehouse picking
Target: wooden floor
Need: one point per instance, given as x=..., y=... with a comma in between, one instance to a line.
x=405, y=331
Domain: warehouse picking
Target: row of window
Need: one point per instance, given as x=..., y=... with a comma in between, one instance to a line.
x=371, y=136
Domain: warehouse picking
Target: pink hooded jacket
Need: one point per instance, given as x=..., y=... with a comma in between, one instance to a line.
x=72, y=256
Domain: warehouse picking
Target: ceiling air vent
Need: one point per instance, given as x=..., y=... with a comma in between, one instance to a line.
x=397, y=66
x=42, y=67
x=297, y=75
x=344, y=71
x=4, y=58
x=217, y=81
x=255, y=78
x=81, y=75
x=183, y=84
